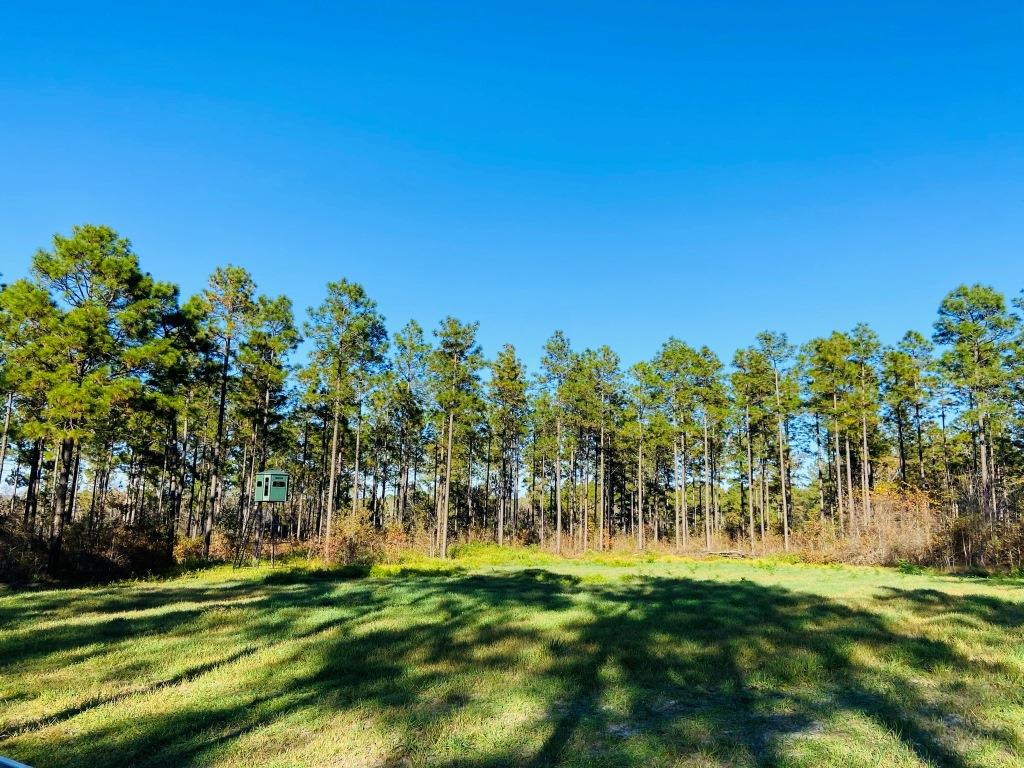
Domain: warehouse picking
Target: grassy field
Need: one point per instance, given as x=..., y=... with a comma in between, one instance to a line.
x=518, y=659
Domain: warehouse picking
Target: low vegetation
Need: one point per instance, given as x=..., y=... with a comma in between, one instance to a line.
x=514, y=657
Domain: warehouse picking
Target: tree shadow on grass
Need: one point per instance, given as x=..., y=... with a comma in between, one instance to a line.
x=24, y=608
x=763, y=664
x=55, y=718
x=643, y=673
x=932, y=603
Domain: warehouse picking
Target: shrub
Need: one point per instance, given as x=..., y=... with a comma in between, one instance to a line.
x=22, y=557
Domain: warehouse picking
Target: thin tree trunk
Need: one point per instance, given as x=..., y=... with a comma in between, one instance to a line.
x=584, y=507
x=684, y=501
x=572, y=496
x=763, y=499
x=640, y=493
x=543, y=527
x=839, y=465
x=355, y=469
x=600, y=487
x=533, y=487
x=447, y=485
x=218, y=486
x=920, y=444
x=501, y=496
x=849, y=486
x=75, y=476
x=331, y=479
x=67, y=447
x=677, y=477
x=865, y=469
x=983, y=485
x=707, y=486
x=750, y=481
x=32, y=490
x=819, y=462
x=14, y=490
x=900, y=444
x=782, y=466
x=469, y=485
x=558, y=485
x=3, y=440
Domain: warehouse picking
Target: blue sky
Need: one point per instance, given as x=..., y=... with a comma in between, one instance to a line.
x=625, y=172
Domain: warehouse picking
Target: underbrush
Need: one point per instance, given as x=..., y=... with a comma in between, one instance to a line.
x=101, y=552
x=903, y=530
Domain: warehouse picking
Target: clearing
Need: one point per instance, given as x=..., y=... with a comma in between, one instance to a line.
x=508, y=658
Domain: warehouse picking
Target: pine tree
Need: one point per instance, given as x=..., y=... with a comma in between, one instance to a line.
x=977, y=329
x=349, y=345
x=81, y=336
x=557, y=362
x=507, y=394
x=455, y=365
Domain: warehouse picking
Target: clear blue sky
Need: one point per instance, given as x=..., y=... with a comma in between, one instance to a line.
x=623, y=171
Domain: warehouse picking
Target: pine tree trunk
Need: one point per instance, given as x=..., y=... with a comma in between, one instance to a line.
x=983, y=471
x=355, y=468
x=248, y=451
x=920, y=445
x=50, y=494
x=501, y=499
x=73, y=485
x=101, y=508
x=572, y=496
x=558, y=484
x=763, y=499
x=207, y=483
x=839, y=466
x=403, y=510
x=865, y=469
x=32, y=490
x=14, y=490
x=3, y=439
x=584, y=507
x=435, y=540
x=782, y=466
x=447, y=486
x=849, y=487
x=194, y=471
x=485, y=513
x=543, y=480
x=707, y=486
x=750, y=481
x=218, y=486
x=600, y=490
x=675, y=466
x=684, y=501
x=819, y=462
x=514, y=490
x=640, y=494
x=67, y=447
x=331, y=480
x=533, y=486
x=469, y=484
x=900, y=444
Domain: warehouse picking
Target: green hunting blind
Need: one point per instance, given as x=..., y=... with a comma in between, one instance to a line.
x=271, y=485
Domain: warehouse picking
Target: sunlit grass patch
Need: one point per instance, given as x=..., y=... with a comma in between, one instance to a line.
x=514, y=657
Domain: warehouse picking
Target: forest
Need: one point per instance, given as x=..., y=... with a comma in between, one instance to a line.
x=135, y=420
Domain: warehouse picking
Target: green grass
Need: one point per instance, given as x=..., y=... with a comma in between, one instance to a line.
x=512, y=657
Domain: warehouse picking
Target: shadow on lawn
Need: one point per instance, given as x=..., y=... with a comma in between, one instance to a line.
x=980, y=608
x=738, y=671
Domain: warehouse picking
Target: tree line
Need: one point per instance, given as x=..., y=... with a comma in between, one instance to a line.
x=135, y=421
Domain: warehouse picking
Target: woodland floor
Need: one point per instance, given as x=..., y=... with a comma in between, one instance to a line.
x=519, y=660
